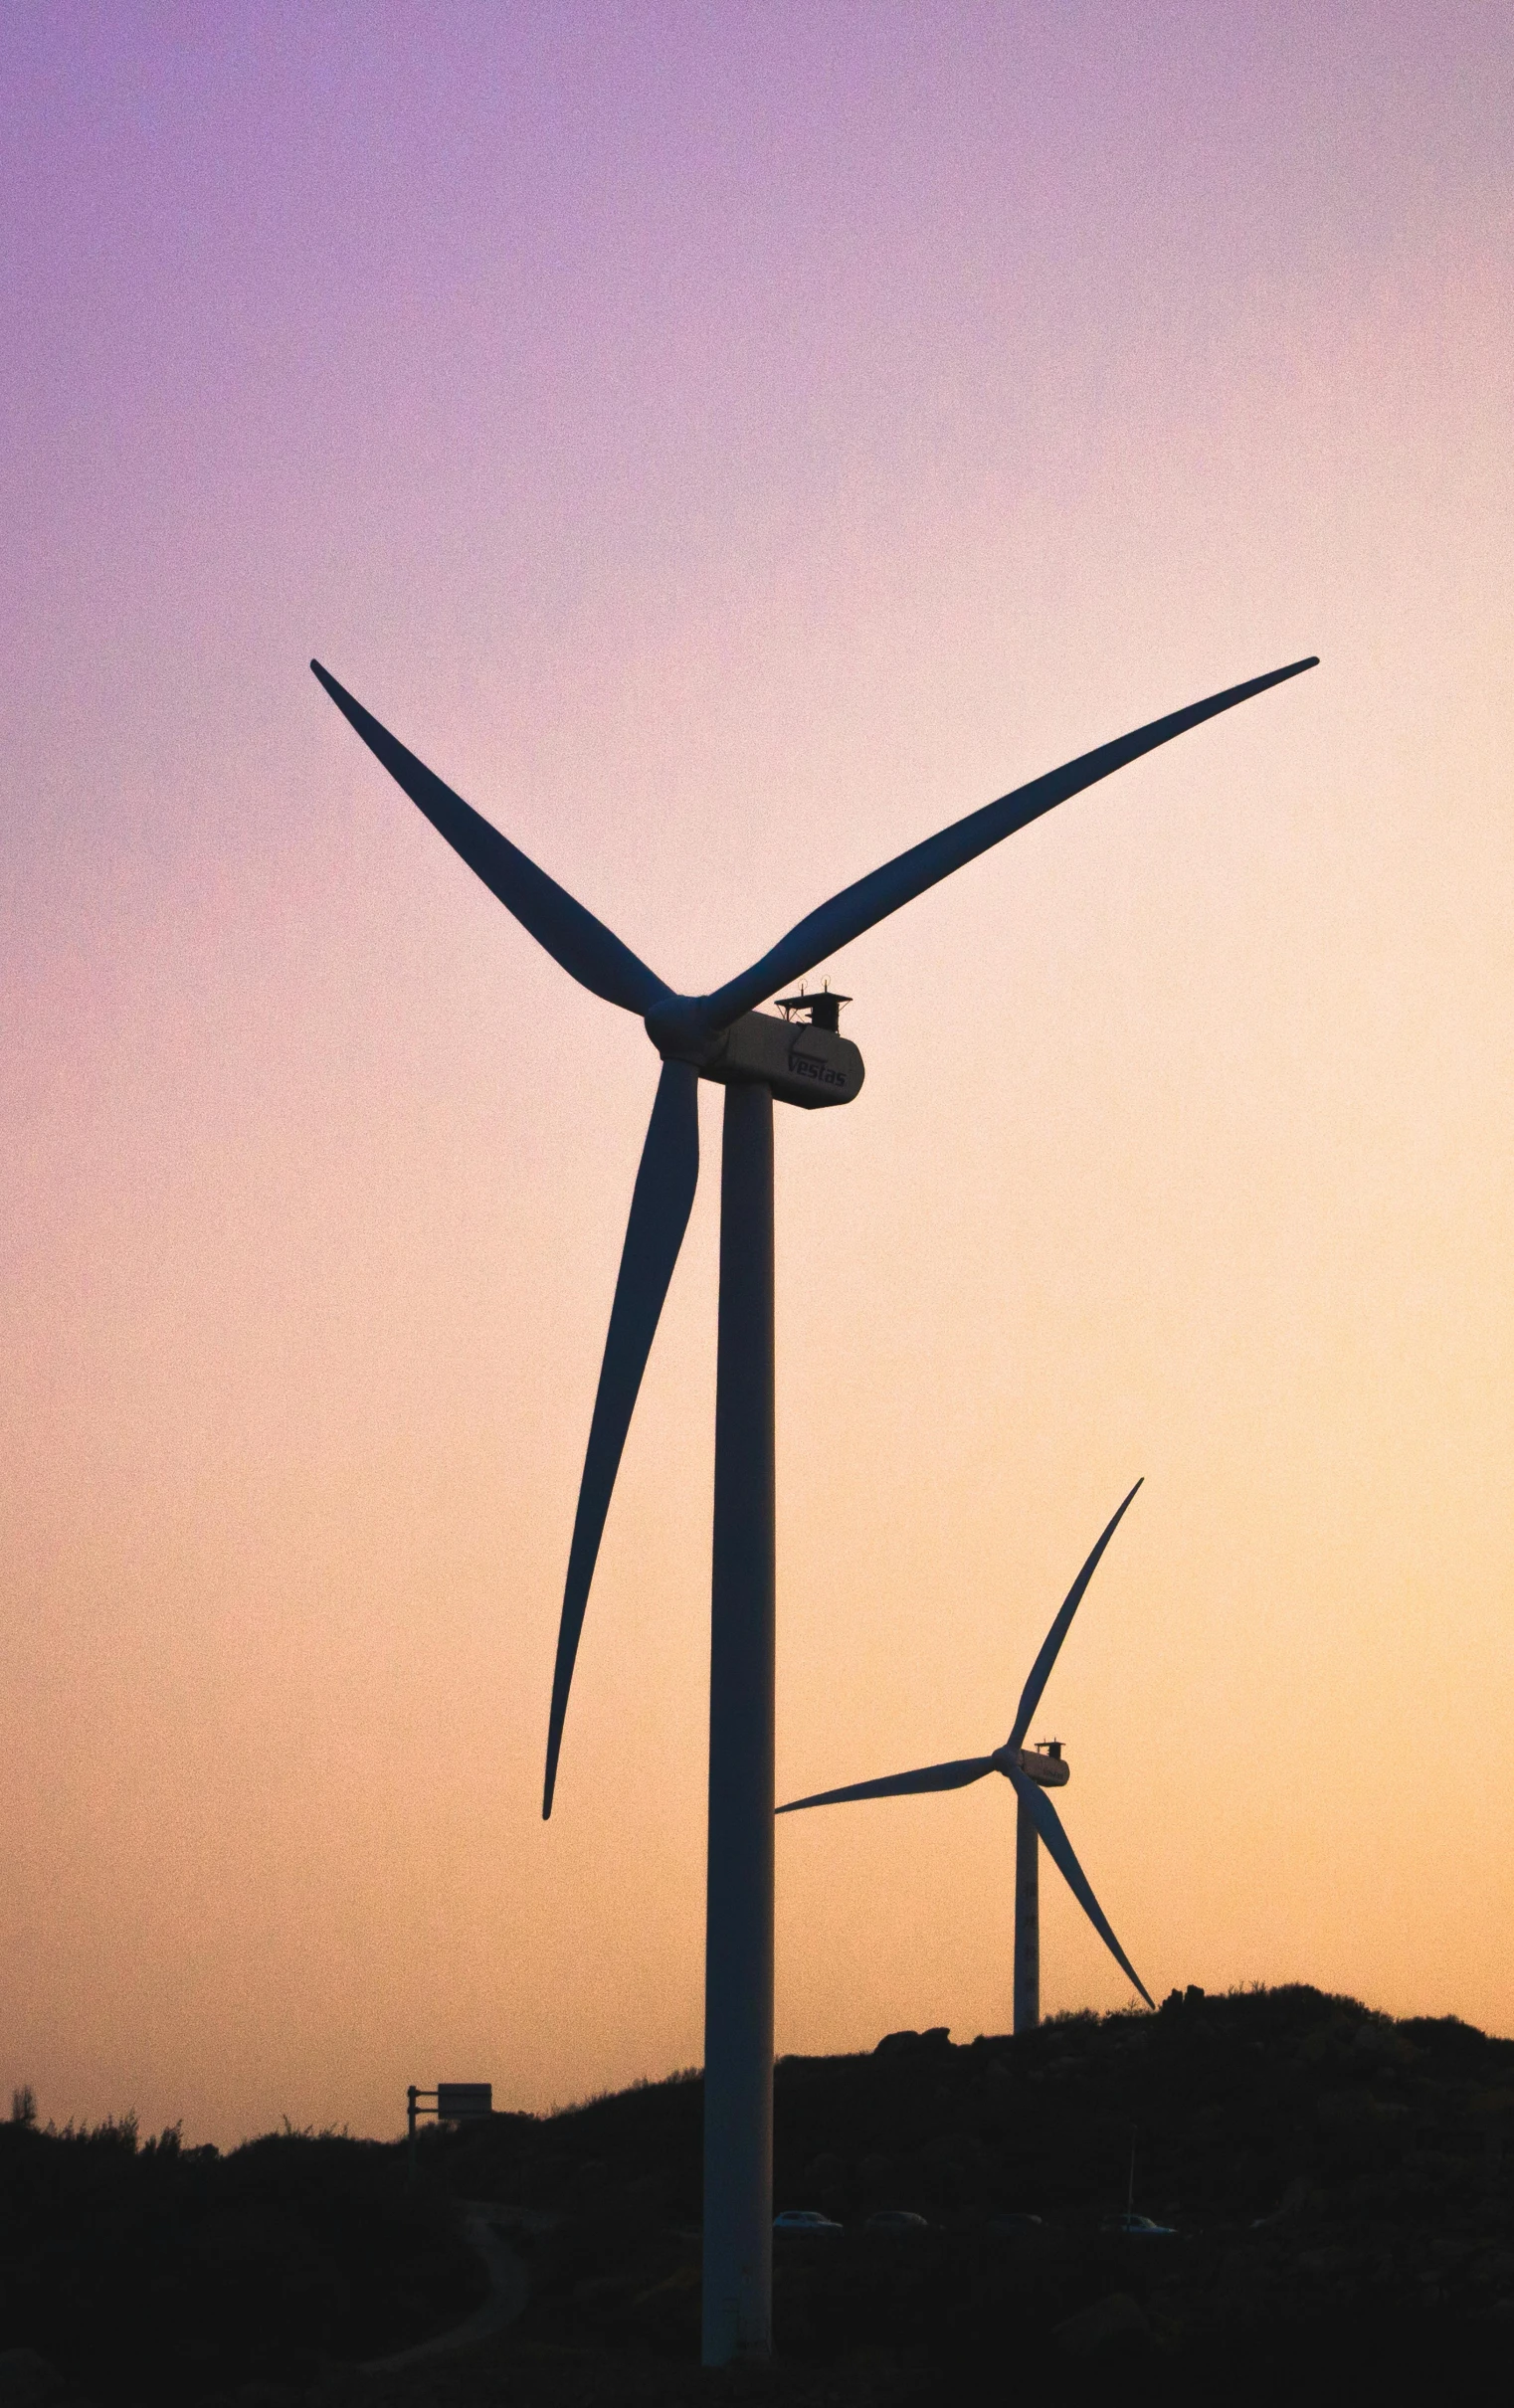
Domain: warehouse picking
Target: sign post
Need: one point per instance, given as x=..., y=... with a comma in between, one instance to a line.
x=450, y=2103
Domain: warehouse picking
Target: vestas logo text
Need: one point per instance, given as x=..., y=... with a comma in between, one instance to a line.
x=814, y=1065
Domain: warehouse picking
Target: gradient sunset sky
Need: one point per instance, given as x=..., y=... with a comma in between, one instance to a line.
x=729, y=442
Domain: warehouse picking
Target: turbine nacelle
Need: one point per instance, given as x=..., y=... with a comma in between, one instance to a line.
x=1045, y=1765
x=804, y=1062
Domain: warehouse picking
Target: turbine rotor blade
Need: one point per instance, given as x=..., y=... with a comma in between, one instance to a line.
x=1059, y=1848
x=576, y=940
x=956, y=1776
x=1041, y=1670
x=861, y=906
x=659, y=1207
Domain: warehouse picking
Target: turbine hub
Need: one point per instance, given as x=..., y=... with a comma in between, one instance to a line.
x=679, y=1030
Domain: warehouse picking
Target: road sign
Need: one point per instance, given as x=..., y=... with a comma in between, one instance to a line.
x=457, y=2101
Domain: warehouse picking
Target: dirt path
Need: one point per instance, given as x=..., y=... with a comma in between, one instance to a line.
x=508, y=2284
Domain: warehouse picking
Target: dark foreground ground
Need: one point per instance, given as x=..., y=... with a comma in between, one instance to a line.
x=1340, y=2184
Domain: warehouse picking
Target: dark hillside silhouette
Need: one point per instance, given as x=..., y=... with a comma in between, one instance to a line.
x=1340, y=2183
x=1342, y=2188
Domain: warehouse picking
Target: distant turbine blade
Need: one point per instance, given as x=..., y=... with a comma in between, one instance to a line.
x=659, y=1207
x=576, y=940
x=1059, y=1848
x=902, y=1784
x=860, y=907
x=1041, y=1670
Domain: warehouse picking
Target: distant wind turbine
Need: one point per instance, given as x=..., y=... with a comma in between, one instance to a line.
x=755, y=1057
x=1031, y=1772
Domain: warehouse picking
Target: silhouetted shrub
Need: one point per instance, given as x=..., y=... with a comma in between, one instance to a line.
x=146, y=2271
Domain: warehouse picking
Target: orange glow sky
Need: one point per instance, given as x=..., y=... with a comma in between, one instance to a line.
x=729, y=444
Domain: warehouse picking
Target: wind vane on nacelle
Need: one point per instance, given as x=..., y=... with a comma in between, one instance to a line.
x=825, y=1009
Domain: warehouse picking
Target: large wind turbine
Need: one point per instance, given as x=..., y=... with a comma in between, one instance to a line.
x=1032, y=1772
x=755, y=1057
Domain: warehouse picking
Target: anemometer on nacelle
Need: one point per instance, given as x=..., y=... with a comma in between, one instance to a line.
x=803, y=1057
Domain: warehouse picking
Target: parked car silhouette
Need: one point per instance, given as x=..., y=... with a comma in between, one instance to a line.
x=1139, y=2228
x=901, y=2220
x=805, y=2220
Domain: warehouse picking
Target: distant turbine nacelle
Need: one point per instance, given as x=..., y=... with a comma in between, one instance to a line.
x=1047, y=1766
x=803, y=1064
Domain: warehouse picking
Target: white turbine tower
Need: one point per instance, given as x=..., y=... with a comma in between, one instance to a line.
x=1032, y=1772
x=755, y=1057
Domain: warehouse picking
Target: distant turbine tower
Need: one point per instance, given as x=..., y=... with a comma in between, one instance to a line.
x=1032, y=1772
x=721, y=1036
